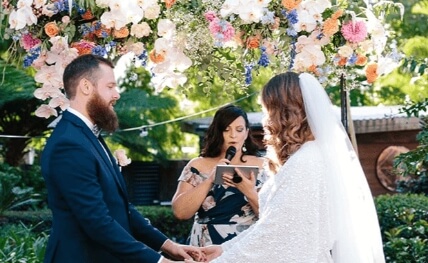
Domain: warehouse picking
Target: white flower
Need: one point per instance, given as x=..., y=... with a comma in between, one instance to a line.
x=121, y=157
x=166, y=28
x=345, y=51
x=152, y=12
x=140, y=30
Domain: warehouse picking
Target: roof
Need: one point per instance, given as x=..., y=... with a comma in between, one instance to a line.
x=367, y=119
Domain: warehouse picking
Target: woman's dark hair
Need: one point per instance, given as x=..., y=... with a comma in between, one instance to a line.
x=84, y=66
x=214, y=140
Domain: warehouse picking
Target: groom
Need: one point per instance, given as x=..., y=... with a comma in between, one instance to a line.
x=93, y=220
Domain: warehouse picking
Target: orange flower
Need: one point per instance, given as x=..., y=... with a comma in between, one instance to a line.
x=87, y=15
x=253, y=42
x=337, y=14
x=156, y=57
x=361, y=60
x=51, y=29
x=371, y=72
x=331, y=26
x=169, y=3
x=290, y=4
x=103, y=30
x=83, y=47
x=121, y=33
x=313, y=69
x=342, y=61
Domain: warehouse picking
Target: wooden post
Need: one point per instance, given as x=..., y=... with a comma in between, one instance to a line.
x=345, y=113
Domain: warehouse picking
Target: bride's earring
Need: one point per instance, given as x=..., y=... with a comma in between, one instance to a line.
x=244, y=149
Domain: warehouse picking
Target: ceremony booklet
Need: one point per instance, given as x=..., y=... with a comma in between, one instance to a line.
x=224, y=168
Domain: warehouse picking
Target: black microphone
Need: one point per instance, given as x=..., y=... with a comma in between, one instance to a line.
x=230, y=153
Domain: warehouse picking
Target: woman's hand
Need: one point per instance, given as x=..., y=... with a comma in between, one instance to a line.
x=246, y=185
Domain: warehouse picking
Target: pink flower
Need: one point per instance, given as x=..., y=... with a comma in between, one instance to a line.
x=28, y=41
x=354, y=31
x=45, y=111
x=121, y=157
x=222, y=30
x=210, y=15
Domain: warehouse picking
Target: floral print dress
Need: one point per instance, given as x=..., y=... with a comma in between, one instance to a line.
x=224, y=214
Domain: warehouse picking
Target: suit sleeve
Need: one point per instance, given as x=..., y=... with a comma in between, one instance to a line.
x=141, y=227
x=75, y=171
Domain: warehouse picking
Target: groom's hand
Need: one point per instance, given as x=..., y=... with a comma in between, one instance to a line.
x=181, y=252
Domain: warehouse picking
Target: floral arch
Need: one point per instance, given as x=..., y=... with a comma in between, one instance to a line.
x=202, y=40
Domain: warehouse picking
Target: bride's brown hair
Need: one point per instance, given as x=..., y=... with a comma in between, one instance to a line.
x=286, y=126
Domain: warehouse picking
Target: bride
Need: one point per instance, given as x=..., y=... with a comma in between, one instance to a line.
x=317, y=206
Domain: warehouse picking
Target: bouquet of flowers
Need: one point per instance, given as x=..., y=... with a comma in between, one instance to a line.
x=184, y=42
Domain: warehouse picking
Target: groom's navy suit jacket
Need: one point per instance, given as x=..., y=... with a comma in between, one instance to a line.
x=92, y=218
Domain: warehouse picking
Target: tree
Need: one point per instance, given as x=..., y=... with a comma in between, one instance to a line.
x=17, y=106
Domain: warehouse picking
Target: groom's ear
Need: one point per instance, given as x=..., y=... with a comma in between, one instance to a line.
x=85, y=87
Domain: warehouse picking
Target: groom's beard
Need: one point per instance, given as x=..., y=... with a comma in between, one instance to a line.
x=101, y=113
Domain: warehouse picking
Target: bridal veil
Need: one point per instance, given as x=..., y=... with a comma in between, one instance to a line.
x=352, y=212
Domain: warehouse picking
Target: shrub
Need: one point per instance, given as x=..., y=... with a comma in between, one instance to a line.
x=163, y=219
x=19, y=243
x=13, y=196
x=404, y=227
x=160, y=217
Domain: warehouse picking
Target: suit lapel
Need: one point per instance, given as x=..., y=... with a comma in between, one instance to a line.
x=113, y=165
x=104, y=154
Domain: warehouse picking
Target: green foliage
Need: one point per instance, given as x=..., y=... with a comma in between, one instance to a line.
x=19, y=243
x=17, y=106
x=404, y=227
x=163, y=219
x=140, y=106
x=413, y=165
x=160, y=217
x=14, y=192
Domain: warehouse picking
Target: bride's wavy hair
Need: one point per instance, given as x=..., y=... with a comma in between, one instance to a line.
x=286, y=127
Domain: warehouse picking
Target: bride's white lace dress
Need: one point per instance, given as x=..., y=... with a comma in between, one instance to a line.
x=293, y=223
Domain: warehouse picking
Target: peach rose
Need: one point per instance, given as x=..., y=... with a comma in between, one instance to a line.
x=121, y=33
x=331, y=26
x=290, y=4
x=51, y=29
x=371, y=72
x=361, y=60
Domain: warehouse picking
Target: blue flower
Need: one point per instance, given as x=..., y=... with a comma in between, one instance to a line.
x=32, y=55
x=264, y=59
x=248, y=76
x=99, y=50
x=292, y=16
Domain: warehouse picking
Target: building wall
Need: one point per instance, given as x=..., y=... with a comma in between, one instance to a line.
x=371, y=145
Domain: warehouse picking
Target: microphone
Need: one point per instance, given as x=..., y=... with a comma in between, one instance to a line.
x=230, y=153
